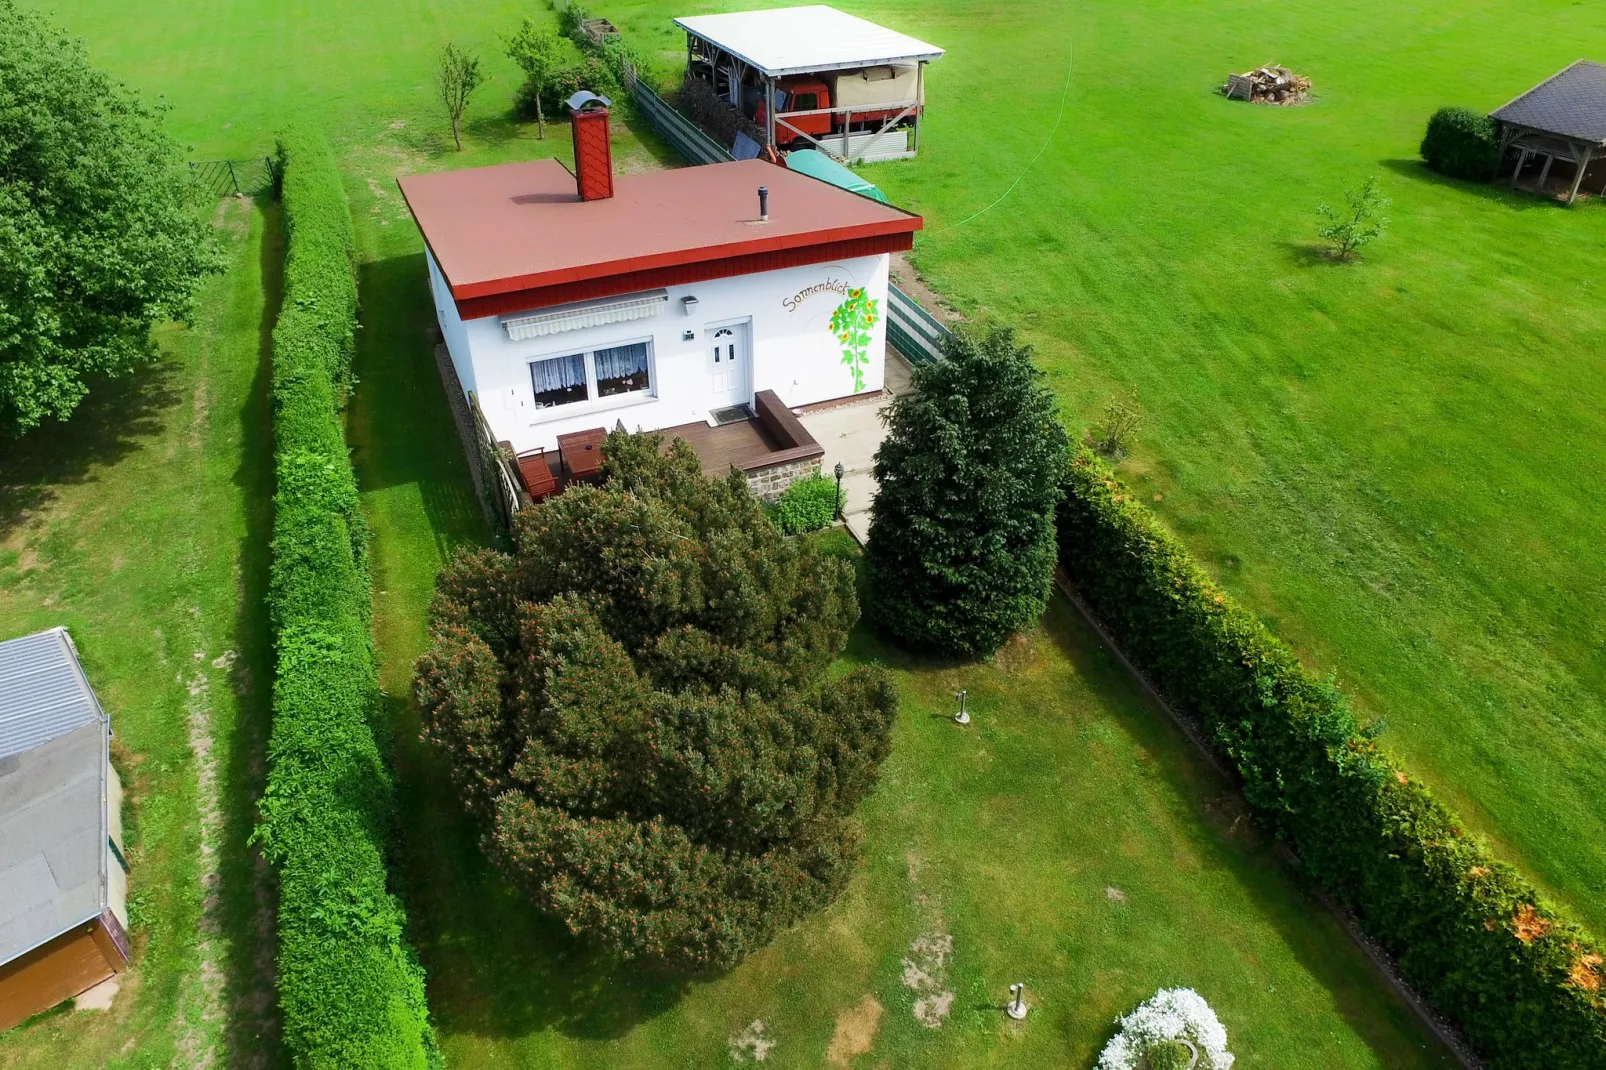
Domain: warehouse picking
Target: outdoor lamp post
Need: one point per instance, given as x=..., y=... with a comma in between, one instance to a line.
x=1017, y=1001
x=962, y=717
x=840, y=471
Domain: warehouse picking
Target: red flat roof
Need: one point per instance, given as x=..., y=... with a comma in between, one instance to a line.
x=522, y=226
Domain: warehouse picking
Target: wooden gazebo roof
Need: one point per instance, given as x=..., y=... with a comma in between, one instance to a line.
x=1563, y=117
x=1570, y=105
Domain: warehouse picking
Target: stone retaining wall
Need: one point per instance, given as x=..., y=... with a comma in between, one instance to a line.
x=767, y=484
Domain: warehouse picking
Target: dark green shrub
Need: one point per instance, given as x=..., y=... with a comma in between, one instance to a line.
x=1462, y=143
x=1467, y=931
x=807, y=505
x=349, y=985
x=961, y=548
x=637, y=706
x=591, y=73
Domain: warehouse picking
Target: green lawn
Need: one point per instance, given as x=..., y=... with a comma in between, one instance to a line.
x=1007, y=843
x=143, y=526
x=1391, y=460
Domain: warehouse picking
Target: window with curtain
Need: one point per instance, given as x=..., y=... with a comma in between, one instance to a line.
x=559, y=380
x=622, y=370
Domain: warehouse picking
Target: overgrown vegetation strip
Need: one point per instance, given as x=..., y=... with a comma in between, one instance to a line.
x=1477, y=939
x=350, y=986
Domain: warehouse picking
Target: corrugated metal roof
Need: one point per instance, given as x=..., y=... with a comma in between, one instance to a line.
x=52, y=838
x=796, y=40
x=43, y=692
x=1571, y=104
x=53, y=775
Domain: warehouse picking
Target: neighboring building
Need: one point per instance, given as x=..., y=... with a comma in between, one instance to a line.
x=63, y=884
x=814, y=77
x=1562, y=118
x=664, y=301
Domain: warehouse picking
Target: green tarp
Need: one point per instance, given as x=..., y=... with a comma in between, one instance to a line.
x=818, y=165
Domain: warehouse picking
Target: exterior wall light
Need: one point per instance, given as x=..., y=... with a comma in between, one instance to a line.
x=688, y=304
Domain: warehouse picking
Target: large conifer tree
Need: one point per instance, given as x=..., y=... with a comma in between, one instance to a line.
x=961, y=549
x=636, y=706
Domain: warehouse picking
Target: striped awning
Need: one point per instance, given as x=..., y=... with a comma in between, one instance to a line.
x=574, y=317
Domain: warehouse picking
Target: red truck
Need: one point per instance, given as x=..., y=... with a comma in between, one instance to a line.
x=881, y=92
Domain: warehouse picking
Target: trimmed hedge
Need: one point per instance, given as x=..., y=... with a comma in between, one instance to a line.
x=1473, y=936
x=1462, y=143
x=350, y=987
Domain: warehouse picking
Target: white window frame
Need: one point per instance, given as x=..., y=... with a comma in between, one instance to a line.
x=594, y=401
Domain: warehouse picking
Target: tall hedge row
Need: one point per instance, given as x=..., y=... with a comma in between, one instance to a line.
x=1476, y=939
x=350, y=986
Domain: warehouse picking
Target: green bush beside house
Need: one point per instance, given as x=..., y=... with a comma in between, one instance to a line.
x=350, y=987
x=809, y=504
x=1471, y=934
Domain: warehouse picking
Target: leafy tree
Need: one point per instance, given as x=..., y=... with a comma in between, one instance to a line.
x=1462, y=143
x=100, y=232
x=536, y=51
x=961, y=550
x=457, y=75
x=1360, y=224
x=635, y=705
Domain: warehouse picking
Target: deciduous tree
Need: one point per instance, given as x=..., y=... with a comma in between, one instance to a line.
x=457, y=75
x=102, y=231
x=535, y=49
x=1360, y=223
x=636, y=705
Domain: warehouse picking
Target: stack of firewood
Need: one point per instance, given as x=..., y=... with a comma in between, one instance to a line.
x=1271, y=84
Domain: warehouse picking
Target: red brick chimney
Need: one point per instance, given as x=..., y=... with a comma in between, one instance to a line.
x=593, y=158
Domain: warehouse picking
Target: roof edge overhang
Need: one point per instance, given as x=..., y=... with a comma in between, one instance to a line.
x=1495, y=114
x=681, y=258
x=545, y=295
x=57, y=935
x=934, y=53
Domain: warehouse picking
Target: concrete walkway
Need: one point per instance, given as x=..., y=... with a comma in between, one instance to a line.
x=851, y=434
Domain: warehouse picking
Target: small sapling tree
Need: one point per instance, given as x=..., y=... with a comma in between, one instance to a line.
x=961, y=550
x=637, y=706
x=457, y=75
x=101, y=235
x=1358, y=225
x=536, y=51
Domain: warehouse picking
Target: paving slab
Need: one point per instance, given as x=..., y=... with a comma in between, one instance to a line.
x=851, y=434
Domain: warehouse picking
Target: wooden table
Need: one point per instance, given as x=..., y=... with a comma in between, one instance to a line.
x=582, y=452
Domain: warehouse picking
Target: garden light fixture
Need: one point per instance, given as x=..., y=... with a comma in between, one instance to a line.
x=1017, y=1002
x=840, y=471
x=962, y=717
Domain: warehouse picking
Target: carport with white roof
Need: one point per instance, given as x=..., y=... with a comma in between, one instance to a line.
x=788, y=42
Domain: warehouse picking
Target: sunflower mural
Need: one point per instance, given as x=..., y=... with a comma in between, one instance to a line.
x=851, y=323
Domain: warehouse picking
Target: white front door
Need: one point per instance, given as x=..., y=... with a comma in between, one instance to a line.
x=728, y=363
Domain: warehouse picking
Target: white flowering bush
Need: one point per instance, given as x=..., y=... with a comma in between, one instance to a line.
x=1175, y=1030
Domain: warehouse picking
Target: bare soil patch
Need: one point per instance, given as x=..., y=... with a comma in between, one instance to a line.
x=855, y=1033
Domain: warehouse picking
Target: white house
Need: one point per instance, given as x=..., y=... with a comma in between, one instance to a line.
x=659, y=301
